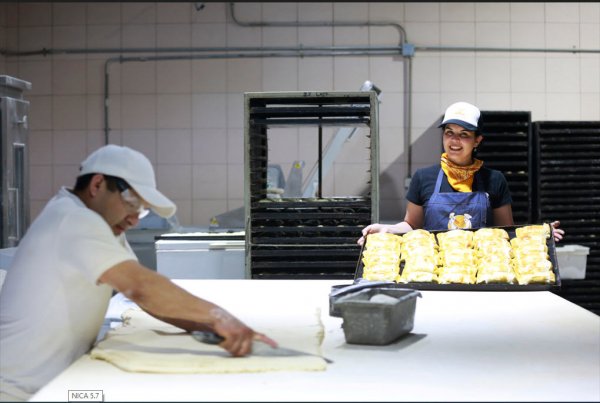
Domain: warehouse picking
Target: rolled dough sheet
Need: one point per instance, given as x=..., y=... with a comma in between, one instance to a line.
x=145, y=344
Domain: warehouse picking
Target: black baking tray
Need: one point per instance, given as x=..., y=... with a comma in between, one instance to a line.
x=476, y=287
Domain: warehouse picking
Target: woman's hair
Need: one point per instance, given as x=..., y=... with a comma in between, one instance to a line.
x=83, y=182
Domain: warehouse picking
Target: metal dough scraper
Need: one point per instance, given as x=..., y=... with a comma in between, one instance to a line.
x=258, y=348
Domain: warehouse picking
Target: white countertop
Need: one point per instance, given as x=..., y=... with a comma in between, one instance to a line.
x=465, y=346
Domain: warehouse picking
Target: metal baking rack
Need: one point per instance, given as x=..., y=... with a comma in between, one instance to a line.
x=305, y=237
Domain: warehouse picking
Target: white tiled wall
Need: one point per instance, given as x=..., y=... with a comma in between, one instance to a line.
x=187, y=115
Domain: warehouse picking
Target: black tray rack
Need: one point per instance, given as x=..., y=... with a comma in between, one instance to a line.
x=507, y=147
x=305, y=238
x=476, y=287
x=567, y=163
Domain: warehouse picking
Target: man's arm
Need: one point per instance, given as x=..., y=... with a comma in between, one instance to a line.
x=168, y=302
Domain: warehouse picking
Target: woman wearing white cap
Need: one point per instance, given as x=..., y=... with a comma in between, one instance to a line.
x=74, y=254
x=459, y=192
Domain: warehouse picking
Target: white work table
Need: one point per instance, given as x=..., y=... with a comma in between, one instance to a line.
x=465, y=346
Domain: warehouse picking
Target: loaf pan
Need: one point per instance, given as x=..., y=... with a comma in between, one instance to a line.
x=377, y=323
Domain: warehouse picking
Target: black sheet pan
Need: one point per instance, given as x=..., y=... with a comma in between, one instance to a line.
x=476, y=287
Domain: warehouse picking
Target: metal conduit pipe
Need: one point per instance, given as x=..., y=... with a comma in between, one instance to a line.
x=59, y=51
x=291, y=52
x=408, y=118
x=488, y=49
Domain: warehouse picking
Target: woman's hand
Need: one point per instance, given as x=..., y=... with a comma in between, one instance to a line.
x=557, y=233
x=372, y=229
x=400, y=228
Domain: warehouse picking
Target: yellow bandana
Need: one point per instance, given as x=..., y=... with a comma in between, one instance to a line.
x=460, y=177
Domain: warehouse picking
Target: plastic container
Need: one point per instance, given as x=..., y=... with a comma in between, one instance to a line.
x=377, y=323
x=572, y=261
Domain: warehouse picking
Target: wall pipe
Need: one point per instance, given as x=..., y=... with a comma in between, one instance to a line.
x=488, y=49
x=291, y=52
x=59, y=51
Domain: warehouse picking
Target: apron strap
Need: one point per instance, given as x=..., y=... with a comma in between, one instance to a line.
x=438, y=183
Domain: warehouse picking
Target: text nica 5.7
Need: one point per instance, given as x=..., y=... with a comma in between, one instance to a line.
x=86, y=396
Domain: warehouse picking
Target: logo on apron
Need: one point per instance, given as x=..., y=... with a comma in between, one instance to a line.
x=455, y=210
x=459, y=221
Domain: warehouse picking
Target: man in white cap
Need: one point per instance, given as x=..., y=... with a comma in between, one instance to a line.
x=74, y=254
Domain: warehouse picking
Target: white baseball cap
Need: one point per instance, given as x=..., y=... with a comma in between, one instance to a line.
x=133, y=167
x=463, y=114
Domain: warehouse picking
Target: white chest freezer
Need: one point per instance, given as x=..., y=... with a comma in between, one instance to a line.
x=201, y=255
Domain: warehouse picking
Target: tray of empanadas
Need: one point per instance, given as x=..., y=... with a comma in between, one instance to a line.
x=511, y=258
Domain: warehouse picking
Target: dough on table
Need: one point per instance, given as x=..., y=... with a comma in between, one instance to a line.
x=146, y=344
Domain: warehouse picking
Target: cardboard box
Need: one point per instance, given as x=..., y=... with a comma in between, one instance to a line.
x=572, y=261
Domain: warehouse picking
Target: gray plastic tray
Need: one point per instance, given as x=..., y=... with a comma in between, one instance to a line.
x=368, y=322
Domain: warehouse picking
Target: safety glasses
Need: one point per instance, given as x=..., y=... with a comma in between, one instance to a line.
x=133, y=203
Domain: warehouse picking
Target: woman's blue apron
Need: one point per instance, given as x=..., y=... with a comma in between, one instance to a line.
x=453, y=210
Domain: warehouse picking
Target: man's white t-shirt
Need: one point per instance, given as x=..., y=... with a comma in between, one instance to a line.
x=51, y=307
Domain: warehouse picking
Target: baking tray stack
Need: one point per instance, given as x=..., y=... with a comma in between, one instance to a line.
x=567, y=162
x=507, y=148
x=305, y=238
x=475, y=287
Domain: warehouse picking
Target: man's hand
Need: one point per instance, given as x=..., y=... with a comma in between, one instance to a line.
x=166, y=301
x=238, y=336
